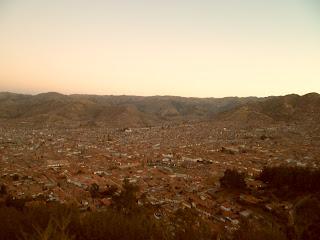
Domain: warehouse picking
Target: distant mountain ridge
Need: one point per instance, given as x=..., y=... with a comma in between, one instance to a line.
x=136, y=111
x=289, y=108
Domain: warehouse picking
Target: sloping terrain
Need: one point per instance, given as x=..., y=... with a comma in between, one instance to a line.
x=289, y=108
x=135, y=111
x=120, y=111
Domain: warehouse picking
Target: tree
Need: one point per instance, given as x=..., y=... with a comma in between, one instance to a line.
x=233, y=179
x=127, y=200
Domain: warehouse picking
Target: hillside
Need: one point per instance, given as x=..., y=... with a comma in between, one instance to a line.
x=115, y=111
x=136, y=111
x=289, y=108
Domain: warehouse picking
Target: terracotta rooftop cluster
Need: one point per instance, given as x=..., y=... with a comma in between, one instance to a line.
x=174, y=166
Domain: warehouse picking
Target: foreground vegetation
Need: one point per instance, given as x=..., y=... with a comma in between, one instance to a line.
x=124, y=219
x=298, y=185
x=294, y=179
x=131, y=218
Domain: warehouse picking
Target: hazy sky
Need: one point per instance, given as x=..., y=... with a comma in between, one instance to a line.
x=202, y=48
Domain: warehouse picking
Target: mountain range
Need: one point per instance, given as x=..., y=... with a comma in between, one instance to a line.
x=136, y=111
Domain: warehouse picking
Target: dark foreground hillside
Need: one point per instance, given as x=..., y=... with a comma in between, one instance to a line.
x=130, y=216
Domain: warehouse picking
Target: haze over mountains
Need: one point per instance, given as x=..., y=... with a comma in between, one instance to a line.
x=136, y=111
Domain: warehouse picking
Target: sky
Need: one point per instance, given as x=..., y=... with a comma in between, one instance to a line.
x=192, y=48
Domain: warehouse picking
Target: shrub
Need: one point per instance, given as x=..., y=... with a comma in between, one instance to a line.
x=124, y=219
x=57, y=221
x=307, y=218
x=127, y=200
x=10, y=223
x=39, y=221
x=233, y=179
x=188, y=225
x=3, y=189
x=111, y=224
x=295, y=179
x=94, y=190
x=15, y=202
x=257, y=231
x=110, y=192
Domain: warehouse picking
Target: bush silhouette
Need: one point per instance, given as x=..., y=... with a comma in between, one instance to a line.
x=307, y=218
x=295, y=179
x=127, y=200
x=233, y=179
x=257, y=231
x=3, y=189
x=94, y=190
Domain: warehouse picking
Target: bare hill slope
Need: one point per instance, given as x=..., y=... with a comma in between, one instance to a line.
x=119, y=111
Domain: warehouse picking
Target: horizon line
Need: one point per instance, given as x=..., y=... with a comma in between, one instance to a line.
x=148, y=96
